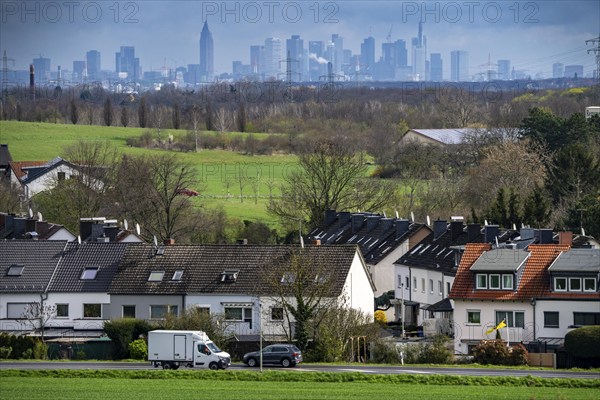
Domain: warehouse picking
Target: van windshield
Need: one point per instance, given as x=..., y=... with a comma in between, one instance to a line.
x=213, y=347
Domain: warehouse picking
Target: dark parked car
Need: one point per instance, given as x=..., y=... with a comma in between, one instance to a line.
x=286, y=355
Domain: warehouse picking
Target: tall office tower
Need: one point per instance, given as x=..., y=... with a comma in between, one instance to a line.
x=127, y=65
x=459, y=66
x=41, y=66
x=367, y=56
x=78, y=70
x=295, y=53
x=257, y=55
x=272, y=58
x=92, y=64
x=317, y=62
x=436, y=67
x=207, y=54
x=337, y=53
x=504, y=70
x=573, y=71
x=558, y=70
x=419, y=55
x=192, y=76
x=400, y=53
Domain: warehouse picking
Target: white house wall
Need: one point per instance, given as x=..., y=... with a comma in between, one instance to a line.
x=76, y=301
x=47, y=181
x=142, y=304
x=22, y=298
x=566, y=310
x=357, y=289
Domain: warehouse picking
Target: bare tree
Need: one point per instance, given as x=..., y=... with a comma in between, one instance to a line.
x=158, y=116
x=222, y=120
x=108, y=112
x=124, y=116
x=194, y=115
x=37, y=315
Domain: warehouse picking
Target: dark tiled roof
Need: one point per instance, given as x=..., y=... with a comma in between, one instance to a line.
x=19, y=167
x=375, y=235
x=203, y=265
x=105, y=256
x=39, y=258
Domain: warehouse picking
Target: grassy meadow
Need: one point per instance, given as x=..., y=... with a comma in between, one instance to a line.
x=218, y=170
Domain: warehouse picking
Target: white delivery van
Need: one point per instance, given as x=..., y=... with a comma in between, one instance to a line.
x=172, y=349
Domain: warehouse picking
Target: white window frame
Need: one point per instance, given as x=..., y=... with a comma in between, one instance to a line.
x=89, y=273
x=415, y=283
x=575, y=279
x=440, y=288
x=177, y=275
x=154, y=276
x=474, y=323
x=423, y=285
x=407, y=281
x=128, y=305
x=169, y=308
x=497, y=276
x=400, y=281
x=477, y=285
x=590, y=280
x=512, y=282
x=431, y=286
x=556, y=289
x=92, y=304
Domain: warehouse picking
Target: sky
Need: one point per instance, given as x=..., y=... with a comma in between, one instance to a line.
x=532, y=34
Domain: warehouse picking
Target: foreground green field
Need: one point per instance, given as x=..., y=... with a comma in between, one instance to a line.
x=218, y=171
x=118, y=384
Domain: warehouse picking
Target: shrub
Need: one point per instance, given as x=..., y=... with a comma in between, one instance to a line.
x=5, y=352
x=380, y=317
x=436, y=352
x=80, y=355
x=496, y=352
x=27, y=354
x=518, y=355
x=138, y=349
x=19, y=344
x=40, y=350
x=384, y=353
x=124, y=331
x=583, y=342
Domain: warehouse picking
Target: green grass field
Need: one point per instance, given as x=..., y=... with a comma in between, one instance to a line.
x=218, y=170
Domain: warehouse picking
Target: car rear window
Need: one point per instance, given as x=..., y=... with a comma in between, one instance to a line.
x=295, y=349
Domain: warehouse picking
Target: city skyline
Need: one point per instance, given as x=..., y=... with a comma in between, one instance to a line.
x=543, y=34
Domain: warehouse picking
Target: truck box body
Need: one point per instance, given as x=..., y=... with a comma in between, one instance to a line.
x=172, y=348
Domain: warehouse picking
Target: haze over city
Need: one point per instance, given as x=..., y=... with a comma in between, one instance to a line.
x=165, y=34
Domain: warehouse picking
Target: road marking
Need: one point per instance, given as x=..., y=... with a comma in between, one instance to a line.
x=410, y=371
x=358, y=370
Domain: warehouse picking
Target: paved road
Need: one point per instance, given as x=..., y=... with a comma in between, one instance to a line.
x=367, y=369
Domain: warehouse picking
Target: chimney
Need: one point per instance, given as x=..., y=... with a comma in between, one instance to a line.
x=565, y=238
x=97, y=230
x=439, y=227
x=18, y=227
x=171, y=242
x=490, y=232
x=456, y=228
x=30, y=225
x=111, y=232
x=85, y=228
x=372, y=222
x=402, y=226
x=545, y=236
x=2, y=223
x=386, y=224
x=344, y=217
x=527, y=233
x=42, y=227
x=316, y=242
x=330, y=216
x=473, y=231
x=9, y=223
x=357, y=222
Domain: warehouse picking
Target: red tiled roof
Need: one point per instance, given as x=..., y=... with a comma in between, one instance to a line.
x=17, y=167
x=535, y=281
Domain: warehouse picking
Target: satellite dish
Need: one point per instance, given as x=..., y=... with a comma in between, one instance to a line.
x=428, y=221
x=514, y=227
x=125, y=224
x=39, y=216
x=485, y=222
x=412, y=216
x=30, y=213
x=582, y=231
x=155, y=241
x=301, y=241
x=497, y=244
x=137, y=229
x=79, y=239
x=384, y=216
x=397, y=217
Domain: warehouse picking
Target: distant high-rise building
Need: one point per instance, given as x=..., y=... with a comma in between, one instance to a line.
x=295, y=52
x=127, y=65
x=272, y=58
x=336, y=55
x=436, y=68
x=459, y=66
x=257, y=55
x=367, y=55
x=400, y=53
x=192, y=76
x=573, y=71
x=419, y=55
x=207, y=54
x=504, y=70
x=41, y=66
x=78, y=70
x=558, y=70
x=317, y=61
x=92, y=64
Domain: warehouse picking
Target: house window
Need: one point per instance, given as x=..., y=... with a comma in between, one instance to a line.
x=431, y=286
x=586, y=318
x=89, y=273
x=15, y=270
x=156, y=276
x=288, y=278
x=448, y=287
x=239, y=314
x=407, y=280
x=481, y=281
x=161, y=311
x=229, y=276
x=473, y=317
x=61, y=176
x=92, y=310
x=128, y=311
x=507, y=282
x=276, y=313
x=512, y=318
x=62, y=311
x=575, y=284
x=16, y=310
x=177, y=275
x=399, y=281
x=422, y=285
x=560, y=284
x=551, y=319
x=494, y=281
x=589, y=284
x=415, y=284
x=440, y=288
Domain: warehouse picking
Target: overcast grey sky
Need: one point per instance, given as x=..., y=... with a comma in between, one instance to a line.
x=532, y=34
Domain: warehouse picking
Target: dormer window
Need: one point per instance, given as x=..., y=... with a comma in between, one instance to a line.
x=177, y=275
x=89, y=273
x=156, y=276
x=288, y=278
x=15, y=270
x=229, y=276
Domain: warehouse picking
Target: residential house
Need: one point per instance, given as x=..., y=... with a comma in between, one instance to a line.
x=37, y=176
x=540, y=292
x=17, y=227
x=381, y=240
x=440, y=137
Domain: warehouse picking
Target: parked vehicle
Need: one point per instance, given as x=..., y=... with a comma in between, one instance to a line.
x=286, y=355
x=193, y=349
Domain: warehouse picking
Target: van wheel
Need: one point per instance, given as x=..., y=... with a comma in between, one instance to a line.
x=166, y=365
x=286, y=362
x=213, y=366
x=252, y=362
x=175, y=366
